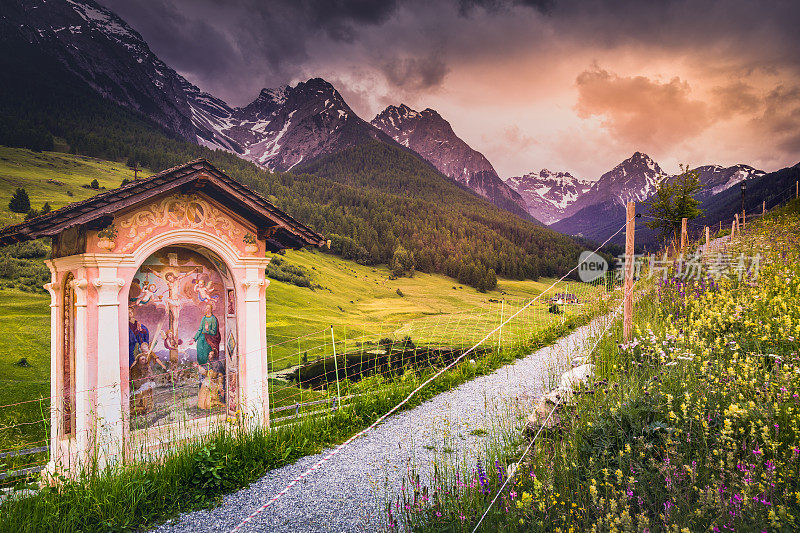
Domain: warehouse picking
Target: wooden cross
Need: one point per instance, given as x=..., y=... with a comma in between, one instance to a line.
x=136, y=170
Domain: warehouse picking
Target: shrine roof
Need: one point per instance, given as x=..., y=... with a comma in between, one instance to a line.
x=278, y=228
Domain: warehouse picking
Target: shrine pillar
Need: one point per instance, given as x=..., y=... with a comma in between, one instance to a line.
x=253, y=351
x=109, y=424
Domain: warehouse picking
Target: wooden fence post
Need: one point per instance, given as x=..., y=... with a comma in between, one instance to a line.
x=708, y=240
x=764, y=207
x=684, y=234
x=336, y=365
x=630, y=226
x=733, y=229
x=796, y=189
x=500, y=334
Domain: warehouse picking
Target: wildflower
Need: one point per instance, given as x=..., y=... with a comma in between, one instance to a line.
x=501, y=474
x=482, y=478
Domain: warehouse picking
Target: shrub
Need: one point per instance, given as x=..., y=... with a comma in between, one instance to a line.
x=20, y=203
x=279, y=270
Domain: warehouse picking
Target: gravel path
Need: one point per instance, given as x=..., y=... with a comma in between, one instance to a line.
x=349, y=492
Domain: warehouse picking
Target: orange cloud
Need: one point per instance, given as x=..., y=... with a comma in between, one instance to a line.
x=640, y=111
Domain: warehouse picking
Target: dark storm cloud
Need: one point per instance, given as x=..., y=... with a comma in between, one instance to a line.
x=251, y=43
x=781, y=118
x=466, y=7
x=415, y=73
x=670, y=71
x=235, y=48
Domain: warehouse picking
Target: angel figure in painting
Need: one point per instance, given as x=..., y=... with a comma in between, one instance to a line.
x=147, y=295
x=204, y=291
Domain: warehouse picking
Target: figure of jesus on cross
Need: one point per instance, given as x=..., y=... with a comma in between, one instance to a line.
x=172, y=275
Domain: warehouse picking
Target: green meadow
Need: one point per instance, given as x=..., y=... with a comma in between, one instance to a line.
x=54, y=177
x=365, y=303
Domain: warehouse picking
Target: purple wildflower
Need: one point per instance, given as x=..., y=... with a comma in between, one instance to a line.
x=501, y=472
x=482, y=478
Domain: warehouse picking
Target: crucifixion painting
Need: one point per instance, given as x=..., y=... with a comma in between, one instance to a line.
x=178, y=293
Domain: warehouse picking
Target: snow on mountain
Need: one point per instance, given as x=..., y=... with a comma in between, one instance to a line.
x=279, y=129
x=716, y=178
x=432, y=137
x=634, y=179
x=601, y=211
x=547, y=194
x=285, y=126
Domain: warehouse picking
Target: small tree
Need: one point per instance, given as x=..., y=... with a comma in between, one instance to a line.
x=402, y=261
x=20, y=203
x=675, y=201
x=95, y=184
x=46, y=208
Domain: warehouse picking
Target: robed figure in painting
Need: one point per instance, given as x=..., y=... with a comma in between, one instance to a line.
x=212, y=384
x=207, y=336
x=143, y=379
x=137, y=334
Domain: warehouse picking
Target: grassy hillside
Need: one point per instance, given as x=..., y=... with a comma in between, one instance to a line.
x=364, y=301
x=25, y=333
x=691, y=426
x=54, y=177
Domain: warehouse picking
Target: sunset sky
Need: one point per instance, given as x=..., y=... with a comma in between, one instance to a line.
x=564, y=85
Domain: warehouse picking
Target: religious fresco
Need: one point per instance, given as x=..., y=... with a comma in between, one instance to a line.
x=178, y=351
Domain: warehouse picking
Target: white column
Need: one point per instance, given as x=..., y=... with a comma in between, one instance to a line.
x=255, y=403
x=56, y=346
x=109, y=427
x=83, y=423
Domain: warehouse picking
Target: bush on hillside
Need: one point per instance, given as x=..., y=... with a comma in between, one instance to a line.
x=278, y=269
x=20, y=203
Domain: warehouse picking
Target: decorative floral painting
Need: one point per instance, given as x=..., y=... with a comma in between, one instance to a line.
x=177, y=347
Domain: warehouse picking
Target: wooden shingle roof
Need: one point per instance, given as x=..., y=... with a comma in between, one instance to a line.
x=279, y=229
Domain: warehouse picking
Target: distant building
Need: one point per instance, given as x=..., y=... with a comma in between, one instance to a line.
x=564, y=298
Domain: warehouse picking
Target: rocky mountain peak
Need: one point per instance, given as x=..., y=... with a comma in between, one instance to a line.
x=432, y=137
x=108, y=55
x=547, y=193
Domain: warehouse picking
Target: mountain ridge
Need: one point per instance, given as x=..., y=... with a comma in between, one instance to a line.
x=427, y=133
